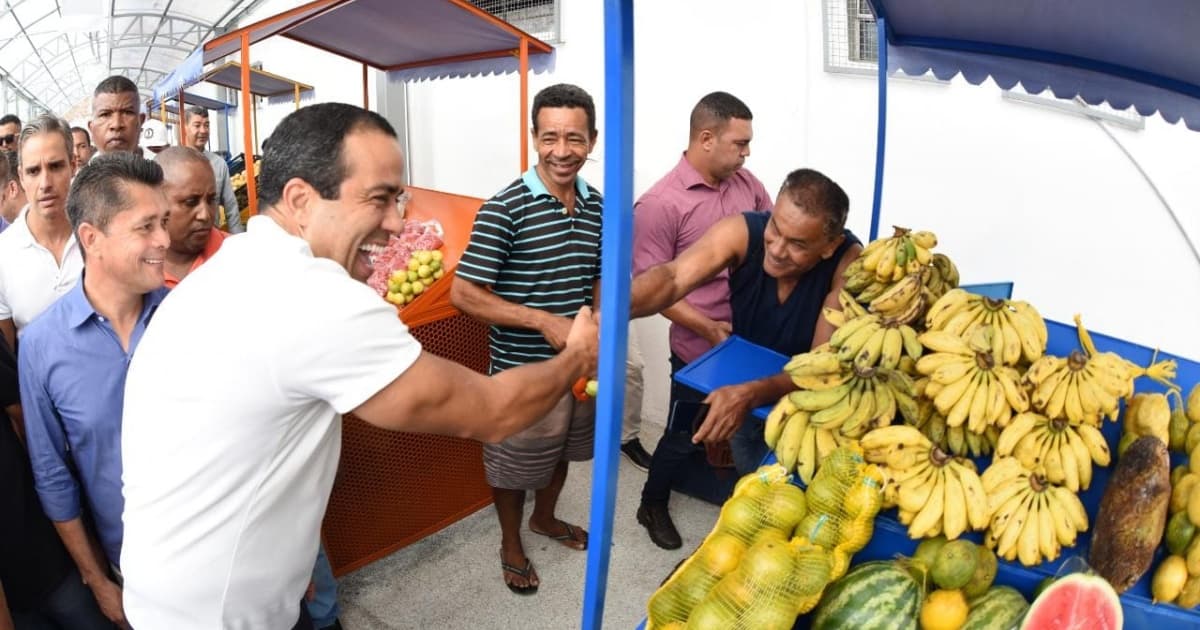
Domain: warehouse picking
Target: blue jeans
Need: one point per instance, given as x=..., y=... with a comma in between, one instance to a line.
x=71, y=606
x=677, y=463
x=324, y=606
x=748, y=445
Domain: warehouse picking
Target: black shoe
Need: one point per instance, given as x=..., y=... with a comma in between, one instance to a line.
x=336, y=625
x=633, y=451
x=657, y=521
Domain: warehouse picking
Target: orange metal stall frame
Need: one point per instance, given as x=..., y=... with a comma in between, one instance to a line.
x=392, y=488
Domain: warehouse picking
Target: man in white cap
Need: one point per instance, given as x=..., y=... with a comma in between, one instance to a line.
x=154, y=138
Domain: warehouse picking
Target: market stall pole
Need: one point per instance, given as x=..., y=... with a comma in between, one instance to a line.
x=617, y=231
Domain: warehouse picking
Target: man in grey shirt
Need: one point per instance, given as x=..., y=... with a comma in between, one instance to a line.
x=197, y=138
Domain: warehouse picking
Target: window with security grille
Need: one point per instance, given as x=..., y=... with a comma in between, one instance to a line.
x=850, y=37
x=539, y=18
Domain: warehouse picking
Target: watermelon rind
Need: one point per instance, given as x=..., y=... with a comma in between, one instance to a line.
x=878, y=595
x=1032, y=621
x=1001, y=608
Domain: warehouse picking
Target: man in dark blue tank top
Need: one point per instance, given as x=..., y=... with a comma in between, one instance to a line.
x=784, y=268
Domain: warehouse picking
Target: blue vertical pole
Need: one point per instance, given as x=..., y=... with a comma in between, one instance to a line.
x=881, y=124
x=614, y=299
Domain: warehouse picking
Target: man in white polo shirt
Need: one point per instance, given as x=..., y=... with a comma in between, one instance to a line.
x=39, y=259
x=225, y=490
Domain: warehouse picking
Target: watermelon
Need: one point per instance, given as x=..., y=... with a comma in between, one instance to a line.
x=1000, y=608
x=1077, y=601
x=873, y=596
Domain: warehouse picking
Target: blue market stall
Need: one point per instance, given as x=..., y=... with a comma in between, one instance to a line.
x=1119, y=52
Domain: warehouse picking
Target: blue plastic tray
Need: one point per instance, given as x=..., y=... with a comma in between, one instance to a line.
x=997, y=290
x=738, y=360
x=733, y=361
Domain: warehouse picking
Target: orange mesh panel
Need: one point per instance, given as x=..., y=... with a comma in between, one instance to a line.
x=393, y=489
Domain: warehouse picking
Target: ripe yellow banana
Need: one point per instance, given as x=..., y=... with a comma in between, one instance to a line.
x=959, y=409
x=868, y=355
x=916, y=492
x=1045, y=389
x=1001, y=470
x=973, y=494
x=806, y=463
x=810, y=400
x=1006, y=541
x=812, y=363
x=894, y=437
x=1081, y=456
x=1029, y=543
x=787, y=449
x=942, y=341
x=891, y=348
x=1058, y=399
x=978, y=415
x=773, y=427
x=946, y=307
x=1068, y=501
x=851, y=327
x=1014, y=393
x=1020, y=426
x=923, y=239
x=857, y=423
x=834, y=415
x=954, y=508
x=1097, y=446
x=898, y=296
x=929, y=518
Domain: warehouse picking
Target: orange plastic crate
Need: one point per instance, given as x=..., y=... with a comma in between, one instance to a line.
x=392, y=489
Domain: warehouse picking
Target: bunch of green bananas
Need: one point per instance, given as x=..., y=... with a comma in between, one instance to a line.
x=959, y=441
x=936, y=493
x=869, y=341
x=1065, y=451
x=1018, y=330
x=1032, y=519
x=966, y=381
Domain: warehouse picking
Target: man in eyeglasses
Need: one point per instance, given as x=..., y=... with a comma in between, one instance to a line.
x=10, y=128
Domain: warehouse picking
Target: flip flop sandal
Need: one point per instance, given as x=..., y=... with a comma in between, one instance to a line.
x=570, y=535
x=525, y=573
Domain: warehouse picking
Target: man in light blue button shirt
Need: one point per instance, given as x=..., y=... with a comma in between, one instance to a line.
x=74, y=357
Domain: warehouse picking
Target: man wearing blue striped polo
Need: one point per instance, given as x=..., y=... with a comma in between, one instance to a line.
x=532, y=262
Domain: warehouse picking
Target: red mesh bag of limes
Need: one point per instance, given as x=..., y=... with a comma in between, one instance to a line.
x=772, y=551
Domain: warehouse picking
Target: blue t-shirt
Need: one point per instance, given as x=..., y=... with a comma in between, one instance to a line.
x=758, y=316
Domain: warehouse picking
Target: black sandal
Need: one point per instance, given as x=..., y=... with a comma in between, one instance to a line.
x=526, y=573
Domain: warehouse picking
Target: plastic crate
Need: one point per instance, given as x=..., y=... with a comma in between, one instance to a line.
x=732, y=362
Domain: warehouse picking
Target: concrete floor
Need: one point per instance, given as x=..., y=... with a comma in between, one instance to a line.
x=453, y=580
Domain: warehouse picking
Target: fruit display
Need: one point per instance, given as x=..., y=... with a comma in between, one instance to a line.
x=936, y=493
x=240, y=190
x=1079, y=600
x=1133, y=514
x=966, y=424
x=398, y=255
x=1031, y=518
x=424, y=268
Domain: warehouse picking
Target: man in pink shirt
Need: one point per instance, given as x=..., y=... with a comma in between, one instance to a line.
x=708, y=184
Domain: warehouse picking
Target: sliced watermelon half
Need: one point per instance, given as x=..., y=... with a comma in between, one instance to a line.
x=1079, y=601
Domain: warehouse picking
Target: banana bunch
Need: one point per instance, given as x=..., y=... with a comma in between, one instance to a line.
x=1064, y=451
x=887, y=260
x=1032, y=519
x=1018, y=330
x=869, y=341
x=941, y=275
x=936, y=493
x=1087, y=385
x=798, y=444
x=905, y=301
x=958, y=440
x=866, y=399
x=966, y=381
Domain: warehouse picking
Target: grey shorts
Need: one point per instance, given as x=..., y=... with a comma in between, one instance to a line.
x=526, y=461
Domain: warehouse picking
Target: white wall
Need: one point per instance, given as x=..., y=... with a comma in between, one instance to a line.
x=1015, y=192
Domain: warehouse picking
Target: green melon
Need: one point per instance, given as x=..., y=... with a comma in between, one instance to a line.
x=873, y=596
x=955, y=564
x=1000, y=608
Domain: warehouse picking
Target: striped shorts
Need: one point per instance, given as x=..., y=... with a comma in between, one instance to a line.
x=526, y=461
